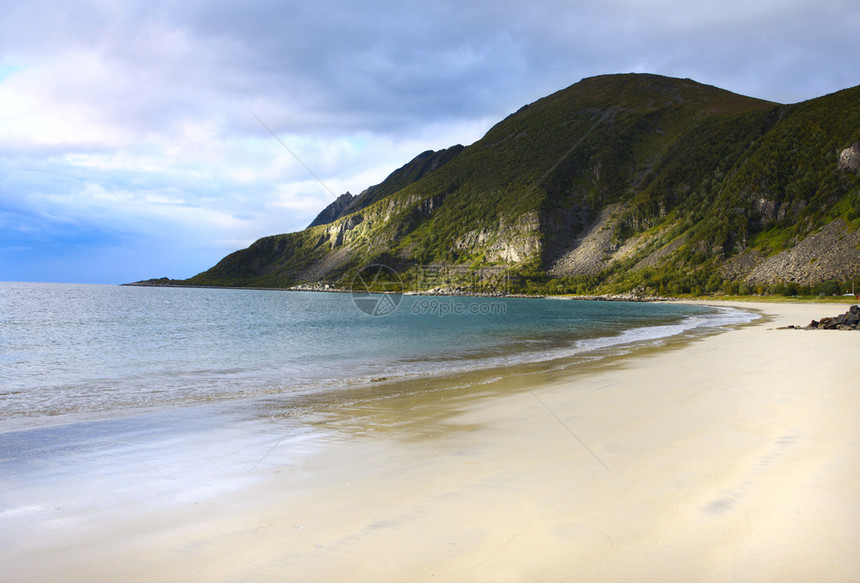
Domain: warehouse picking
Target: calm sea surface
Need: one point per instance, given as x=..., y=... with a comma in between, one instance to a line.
x=72, y=349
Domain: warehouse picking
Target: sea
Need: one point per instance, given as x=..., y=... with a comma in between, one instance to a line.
x=118, y=403
x=70, y=352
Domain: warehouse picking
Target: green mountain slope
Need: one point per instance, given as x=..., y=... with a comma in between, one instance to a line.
x=618, y=182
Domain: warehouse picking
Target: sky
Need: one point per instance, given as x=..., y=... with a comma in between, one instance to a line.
x=136, y=136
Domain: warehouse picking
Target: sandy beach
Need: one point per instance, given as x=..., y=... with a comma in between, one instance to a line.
x=732, y=457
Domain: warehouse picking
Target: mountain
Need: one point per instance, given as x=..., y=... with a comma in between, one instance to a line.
x=617, y=183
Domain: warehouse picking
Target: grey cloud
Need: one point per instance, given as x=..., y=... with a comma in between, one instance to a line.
x=328, y=71
x=385, y=66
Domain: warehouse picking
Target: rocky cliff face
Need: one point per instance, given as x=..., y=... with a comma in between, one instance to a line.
x=849, y=159
x=508, y=242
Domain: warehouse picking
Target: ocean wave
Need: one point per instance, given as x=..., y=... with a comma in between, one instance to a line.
x=722, y=318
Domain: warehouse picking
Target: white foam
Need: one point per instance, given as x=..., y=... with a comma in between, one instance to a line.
x=710, y=322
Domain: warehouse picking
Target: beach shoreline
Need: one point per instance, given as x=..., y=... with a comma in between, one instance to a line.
x=726, y=457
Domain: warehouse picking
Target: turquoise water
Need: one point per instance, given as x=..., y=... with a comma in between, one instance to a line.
x=70, y=349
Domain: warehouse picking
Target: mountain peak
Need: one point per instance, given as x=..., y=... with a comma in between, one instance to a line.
x=407, y=174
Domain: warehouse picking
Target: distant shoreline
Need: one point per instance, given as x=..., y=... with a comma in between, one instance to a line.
x=328, y=288
x=623, y=297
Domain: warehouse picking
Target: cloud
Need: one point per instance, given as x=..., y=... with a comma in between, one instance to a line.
x=131, y=121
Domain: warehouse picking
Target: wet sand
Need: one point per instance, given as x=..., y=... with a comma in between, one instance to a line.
x=732, y=457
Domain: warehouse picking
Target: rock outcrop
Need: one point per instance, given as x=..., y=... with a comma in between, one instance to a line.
x=850, y=320
x=849, y=159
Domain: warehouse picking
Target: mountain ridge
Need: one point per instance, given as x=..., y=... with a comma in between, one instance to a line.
x=616, y=183
x=410, y=172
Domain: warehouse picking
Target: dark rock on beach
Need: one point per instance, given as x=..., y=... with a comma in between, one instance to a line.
x=850, y=320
